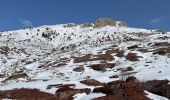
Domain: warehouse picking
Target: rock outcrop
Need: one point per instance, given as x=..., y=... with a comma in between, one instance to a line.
x=102, y=22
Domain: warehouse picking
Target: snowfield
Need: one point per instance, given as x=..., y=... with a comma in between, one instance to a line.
x=35, y=58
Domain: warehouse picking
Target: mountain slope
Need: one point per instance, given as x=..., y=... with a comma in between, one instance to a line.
x=48, y=56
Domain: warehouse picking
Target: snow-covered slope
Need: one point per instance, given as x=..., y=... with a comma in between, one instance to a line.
x=46, y=55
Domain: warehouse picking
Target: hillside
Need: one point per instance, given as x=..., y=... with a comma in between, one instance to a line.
x=104, y=60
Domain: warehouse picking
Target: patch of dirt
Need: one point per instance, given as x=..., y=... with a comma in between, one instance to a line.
x=159, y=87
x=91, y=82
x=66, y=93
x=130, y=89
x=102, y=67
x=162, y=51
x=82, y=59
x=132, y=57
x=90, y=57
x=79, y=69
x=143, y=50
x=119, y=53
x=26, y=94
x=60, y=85
x=106, y=56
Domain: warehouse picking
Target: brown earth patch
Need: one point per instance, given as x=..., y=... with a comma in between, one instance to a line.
x=79, y=69
x=91, y=82
x=106, y=56
x=119, y=53
x=159, y=87
x=143, y=50
x=26, y=94
x=66, y=93
x=60, y=85
x=90, y=57
x=122, y=90
x=162, y=51
x=82, y=59
x=132, y=57
x=102, y=67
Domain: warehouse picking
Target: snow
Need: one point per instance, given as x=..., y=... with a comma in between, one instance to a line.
x=84, y=96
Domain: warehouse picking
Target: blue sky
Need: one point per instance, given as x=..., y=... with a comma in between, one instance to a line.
x=15, y=14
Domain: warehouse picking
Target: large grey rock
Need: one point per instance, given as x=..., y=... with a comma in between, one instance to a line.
x=102, y=22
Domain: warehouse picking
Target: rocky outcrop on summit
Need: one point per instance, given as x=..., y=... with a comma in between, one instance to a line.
x=102, y=22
